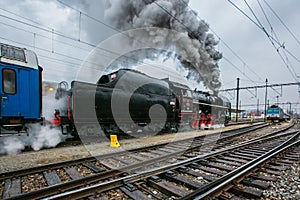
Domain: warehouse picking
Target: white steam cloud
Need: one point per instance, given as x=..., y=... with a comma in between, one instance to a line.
x=44, y=137
x=12, y=145
x=194, y=44
x=40, y=136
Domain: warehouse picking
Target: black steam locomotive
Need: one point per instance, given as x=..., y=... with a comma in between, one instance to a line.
x=128, y=100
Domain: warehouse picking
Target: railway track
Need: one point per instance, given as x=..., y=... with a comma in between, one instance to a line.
x=244, y=121
x=256, y=184
x=201, y=177
x=55, y=178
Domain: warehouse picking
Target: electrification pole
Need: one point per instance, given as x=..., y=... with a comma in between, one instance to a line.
x=266, y=97
x=237, y=98
x=257, y=111
x=290, y=111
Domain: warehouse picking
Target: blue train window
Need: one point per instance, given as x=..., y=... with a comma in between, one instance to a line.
x=9, y=81
x=13, y=53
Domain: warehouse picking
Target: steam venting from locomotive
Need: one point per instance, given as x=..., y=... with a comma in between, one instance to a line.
x=40, y=137
x=196, y=47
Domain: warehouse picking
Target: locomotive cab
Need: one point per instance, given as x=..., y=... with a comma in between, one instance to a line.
x=184, y=102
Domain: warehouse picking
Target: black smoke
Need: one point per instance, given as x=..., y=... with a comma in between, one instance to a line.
x=196, y=45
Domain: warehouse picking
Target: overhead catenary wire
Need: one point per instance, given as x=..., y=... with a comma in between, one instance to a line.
x=282, y=22
x=76, y=38
x=222, y=41
x=213, y=32
x=219, y=38
x=262, y=104
x=264, y=30
x=98, y=21
x=88, y=16
x=42, y=49
x=286, y=62
x=53, y=31
x=272, y=42
x=47, y=30
x=272, y=39
x=27, y=19
x=50, y=51
x=263, y=86
x=49, y=38
x=51, y=59
x=67, y=37
x=117, y=30
x=175, y=18
x=237, y=68
x=227, y=46
x=234, y=53
x=275, y=32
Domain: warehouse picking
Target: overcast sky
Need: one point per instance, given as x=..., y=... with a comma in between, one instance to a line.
x=252, y=45
x=258, y=58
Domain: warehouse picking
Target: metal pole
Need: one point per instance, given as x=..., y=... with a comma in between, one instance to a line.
x=257, y=107
x=237, y=98
x=266, y=97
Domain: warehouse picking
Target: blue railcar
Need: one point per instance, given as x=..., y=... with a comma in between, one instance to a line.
x=275, y=114
x=20, y=87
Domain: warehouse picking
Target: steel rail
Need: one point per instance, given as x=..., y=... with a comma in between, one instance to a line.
x=87, y=191
x=59, y=188
x=227, y=181
x=31, y=170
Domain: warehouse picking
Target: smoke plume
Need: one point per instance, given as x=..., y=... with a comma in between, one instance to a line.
x=195, y=45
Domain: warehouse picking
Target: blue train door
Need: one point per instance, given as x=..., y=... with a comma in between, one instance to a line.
x=9, y=93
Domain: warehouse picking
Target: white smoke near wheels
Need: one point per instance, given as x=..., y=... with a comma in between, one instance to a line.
x=44, y=137
x=40, y=137
x=11, y=145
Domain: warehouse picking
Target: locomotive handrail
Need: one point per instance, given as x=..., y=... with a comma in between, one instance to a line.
x=212, y=105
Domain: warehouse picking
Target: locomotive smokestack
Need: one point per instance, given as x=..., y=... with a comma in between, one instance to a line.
x=196, y=44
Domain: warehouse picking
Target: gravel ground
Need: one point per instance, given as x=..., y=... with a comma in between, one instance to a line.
x=34, y=158
x=287, y=186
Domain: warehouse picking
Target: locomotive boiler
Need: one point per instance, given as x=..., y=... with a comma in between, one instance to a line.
x=126, y=101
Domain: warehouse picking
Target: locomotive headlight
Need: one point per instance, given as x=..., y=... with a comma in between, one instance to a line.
x=172, y=103
x=50, y=89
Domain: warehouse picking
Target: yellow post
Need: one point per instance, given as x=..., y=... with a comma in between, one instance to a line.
x=114, y=141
